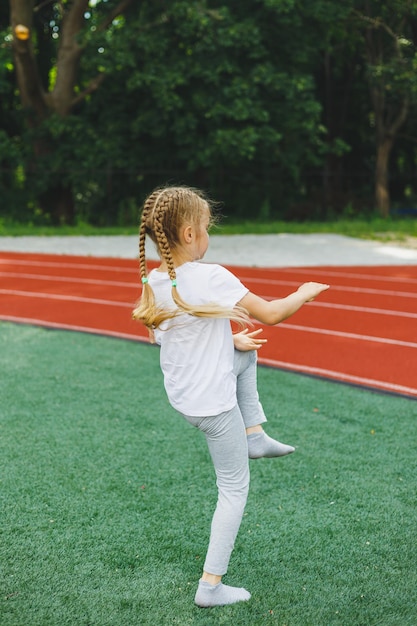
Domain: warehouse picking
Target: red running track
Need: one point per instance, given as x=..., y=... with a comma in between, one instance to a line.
x=361, y=331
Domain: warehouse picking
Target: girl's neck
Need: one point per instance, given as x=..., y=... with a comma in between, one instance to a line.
x=179, y=257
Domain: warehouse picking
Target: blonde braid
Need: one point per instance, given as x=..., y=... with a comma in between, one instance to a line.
x=142, y=241
x=165, y=249
x=148, y=207
x=143, y=311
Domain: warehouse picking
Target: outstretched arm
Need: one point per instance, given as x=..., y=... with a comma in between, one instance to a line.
x=273, y=312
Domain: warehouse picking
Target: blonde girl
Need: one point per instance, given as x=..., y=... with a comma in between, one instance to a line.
x=187, y=307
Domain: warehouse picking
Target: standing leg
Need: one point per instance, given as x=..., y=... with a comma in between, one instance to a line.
x=226, y=439
x=259, y=443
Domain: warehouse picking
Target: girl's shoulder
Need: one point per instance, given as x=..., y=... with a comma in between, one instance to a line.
x=194, y=271
x=211, y=274
x=198, y=267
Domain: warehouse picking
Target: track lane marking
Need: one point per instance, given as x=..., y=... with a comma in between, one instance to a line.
x=84, y=266
x=61, y=326
x=356, y=309
x=339, y=376
x=290, y=283
x=362, y=309
x=70, y=279
x=371, y=277
x=67, y=298
x=345, y=335
x=135, y=285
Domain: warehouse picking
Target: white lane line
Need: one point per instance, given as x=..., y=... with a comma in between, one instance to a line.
x=376, y=292
x=83, y=266
x=371, y=277
x=82, y=329
x=68, y=298
x=358, y=309
x=68, y=279
x=355, y=336
x=291, y=283
x=362, y=309
x=317, y=371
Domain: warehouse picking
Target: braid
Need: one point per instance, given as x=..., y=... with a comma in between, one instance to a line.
x=163, y=244
x=145, y=309
x=148, y=207
x=142, y=256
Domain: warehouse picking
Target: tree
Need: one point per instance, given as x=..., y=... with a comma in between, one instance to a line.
x=53, y=91
x=391, y=58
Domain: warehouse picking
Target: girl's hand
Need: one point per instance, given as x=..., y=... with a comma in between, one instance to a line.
x=245, y=341
x=273, y=312
x=311, y=290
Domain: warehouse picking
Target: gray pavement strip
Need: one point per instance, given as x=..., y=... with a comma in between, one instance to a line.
x=275, y=250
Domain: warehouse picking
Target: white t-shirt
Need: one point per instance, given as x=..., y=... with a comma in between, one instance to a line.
x=197, y=353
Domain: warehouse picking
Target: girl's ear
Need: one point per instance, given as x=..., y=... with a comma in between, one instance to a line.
x=188, y=234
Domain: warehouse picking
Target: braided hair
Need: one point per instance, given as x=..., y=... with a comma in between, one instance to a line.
x=164, y=212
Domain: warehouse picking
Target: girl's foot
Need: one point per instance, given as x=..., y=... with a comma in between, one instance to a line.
x=218, y=595
x=260, y=445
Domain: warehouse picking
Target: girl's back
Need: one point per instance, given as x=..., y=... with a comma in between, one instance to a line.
x=197, y=352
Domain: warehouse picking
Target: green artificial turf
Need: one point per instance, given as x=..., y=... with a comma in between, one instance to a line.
x=107, y=496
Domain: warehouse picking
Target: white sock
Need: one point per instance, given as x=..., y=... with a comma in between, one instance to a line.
x=218, y=595
x=260, y=445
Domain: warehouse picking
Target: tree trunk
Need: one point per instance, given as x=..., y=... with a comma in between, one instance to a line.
x=384, y=54
x=382, y=196
x=32, y=95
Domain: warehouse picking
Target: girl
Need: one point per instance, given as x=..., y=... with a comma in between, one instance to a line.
x=187, y=307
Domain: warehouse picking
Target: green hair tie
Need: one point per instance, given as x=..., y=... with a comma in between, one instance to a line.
x=144, y=280
x=174, y=283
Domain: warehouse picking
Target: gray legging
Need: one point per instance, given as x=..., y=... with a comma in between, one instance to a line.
x=227, y=443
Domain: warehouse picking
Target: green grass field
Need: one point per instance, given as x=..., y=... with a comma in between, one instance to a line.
x=107, y=495
x=392, y=229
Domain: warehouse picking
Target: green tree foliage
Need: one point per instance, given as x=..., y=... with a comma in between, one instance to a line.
x=390, y=53
x=214, y=102
x=264, y=103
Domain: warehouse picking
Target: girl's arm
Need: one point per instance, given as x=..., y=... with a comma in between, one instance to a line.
x=273, y=312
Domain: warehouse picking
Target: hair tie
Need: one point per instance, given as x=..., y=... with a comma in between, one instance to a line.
x=174, y=283
x=144, y=280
